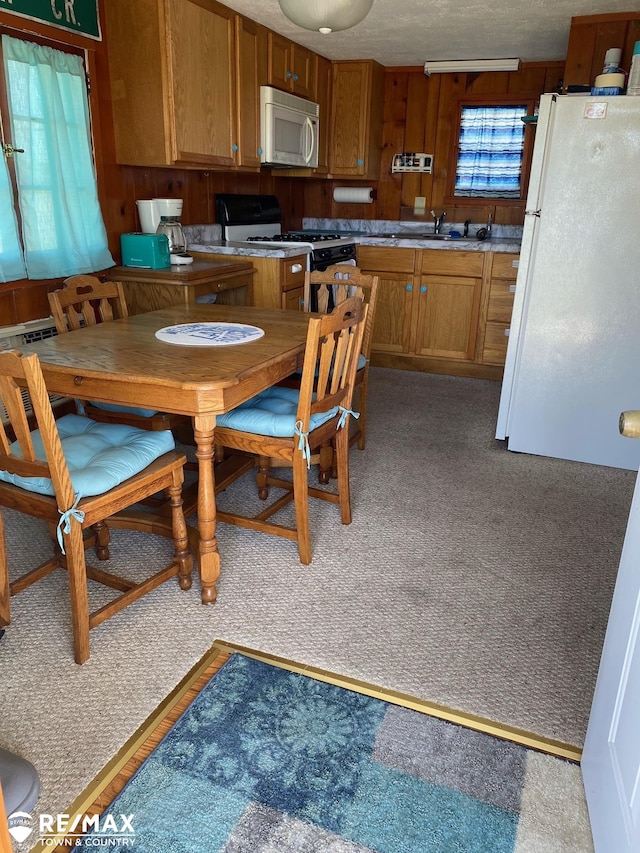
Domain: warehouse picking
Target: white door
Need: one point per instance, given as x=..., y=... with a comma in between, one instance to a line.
x=611, y=757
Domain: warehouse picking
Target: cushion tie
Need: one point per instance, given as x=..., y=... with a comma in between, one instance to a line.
x=344, y=413
x=303, y=443
x=64, y=525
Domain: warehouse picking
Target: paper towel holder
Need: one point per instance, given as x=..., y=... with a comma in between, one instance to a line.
x=354, y=195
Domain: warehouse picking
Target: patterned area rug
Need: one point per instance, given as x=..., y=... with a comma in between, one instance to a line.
x=266, y=760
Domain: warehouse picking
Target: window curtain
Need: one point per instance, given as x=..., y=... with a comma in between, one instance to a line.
x=62, y=227
x=11, y=263
x=490, y=151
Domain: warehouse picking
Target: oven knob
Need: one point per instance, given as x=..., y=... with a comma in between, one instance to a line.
x=346, y=250
x=323, y=254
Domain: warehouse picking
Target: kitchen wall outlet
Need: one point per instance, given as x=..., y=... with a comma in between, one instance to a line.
x=420, y=202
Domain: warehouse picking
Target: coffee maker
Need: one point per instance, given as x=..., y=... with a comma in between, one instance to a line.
x=162, y=216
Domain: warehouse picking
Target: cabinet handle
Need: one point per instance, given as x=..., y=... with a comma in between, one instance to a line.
x=295, y=77
x=506, y=332
x=512, y=288
x=360, y=162
x=288, y=75
x=234, y=147
x=222, y=285
x=296, y=268
x=409, y=287
x=259, y=150
x=423, y=288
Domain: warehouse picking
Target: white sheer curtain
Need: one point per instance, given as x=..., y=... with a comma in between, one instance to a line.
x=62, y=227
x=11, y=262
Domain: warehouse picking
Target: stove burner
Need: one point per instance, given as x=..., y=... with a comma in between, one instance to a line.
x=296, y=237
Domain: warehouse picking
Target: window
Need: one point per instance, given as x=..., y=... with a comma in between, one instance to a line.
x=57, y=229
x=490, y=151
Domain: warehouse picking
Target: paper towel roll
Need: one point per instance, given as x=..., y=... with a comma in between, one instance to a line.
x=355, y=195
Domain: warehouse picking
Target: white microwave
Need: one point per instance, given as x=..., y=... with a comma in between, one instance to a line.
x=288, y=129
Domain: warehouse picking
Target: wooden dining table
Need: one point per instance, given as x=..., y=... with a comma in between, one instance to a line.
x=123, y=362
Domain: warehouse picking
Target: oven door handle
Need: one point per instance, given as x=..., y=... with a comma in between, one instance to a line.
x=310, y=139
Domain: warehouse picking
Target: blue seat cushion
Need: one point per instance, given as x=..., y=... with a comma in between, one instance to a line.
x=271, y=412
x=129, y=410
x=99, y=456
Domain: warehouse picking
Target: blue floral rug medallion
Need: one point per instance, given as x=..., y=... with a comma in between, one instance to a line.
x=268, y=761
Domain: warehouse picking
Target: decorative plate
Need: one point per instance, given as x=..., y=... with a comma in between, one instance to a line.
x=209, y=334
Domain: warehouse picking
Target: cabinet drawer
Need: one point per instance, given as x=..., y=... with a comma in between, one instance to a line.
x=293, y=270
x=496, y=339
x=501, y=301
x=452, y=262
x=505, y=265
x=386, y=258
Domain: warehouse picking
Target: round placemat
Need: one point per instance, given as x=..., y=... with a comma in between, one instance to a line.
x=209, y=334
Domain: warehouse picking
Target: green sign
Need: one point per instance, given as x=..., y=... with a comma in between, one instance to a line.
x=78, y=16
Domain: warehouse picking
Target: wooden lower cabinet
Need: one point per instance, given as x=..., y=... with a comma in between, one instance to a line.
x=278, y=282
x=501, y=287
x=429, y=313
x=150, y=290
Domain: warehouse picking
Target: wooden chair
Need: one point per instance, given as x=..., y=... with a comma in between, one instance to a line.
x=322, y=291
x=74, y=473
x=84, y=300
x=289, y=424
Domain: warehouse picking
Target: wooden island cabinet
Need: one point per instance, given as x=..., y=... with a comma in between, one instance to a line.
x=149, y=290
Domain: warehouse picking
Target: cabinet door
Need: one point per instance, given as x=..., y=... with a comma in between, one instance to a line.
x=448, y=308
x=201, y=50
x=293, y=300
x=251, y=50
x=279, y=68
x=303, y=71
x=392, y=324
x=356, y=118
x=322, y=96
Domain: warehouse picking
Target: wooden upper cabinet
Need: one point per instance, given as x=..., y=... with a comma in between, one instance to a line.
x=251, y=52
x=356, y=119
x=591, y=36
x=322, y=96
x=291, y=66
x=173, y=82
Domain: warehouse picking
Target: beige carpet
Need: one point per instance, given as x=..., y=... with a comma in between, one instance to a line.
x=471, y=577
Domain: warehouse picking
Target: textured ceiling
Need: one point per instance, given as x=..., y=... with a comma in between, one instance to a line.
x=408, y=32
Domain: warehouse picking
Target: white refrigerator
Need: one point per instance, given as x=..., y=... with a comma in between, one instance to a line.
x=573, y=357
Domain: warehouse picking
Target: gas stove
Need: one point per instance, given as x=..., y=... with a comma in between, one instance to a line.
x=250, y=219
x=309, y=237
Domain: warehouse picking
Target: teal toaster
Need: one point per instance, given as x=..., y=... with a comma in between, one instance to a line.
x=150, y=251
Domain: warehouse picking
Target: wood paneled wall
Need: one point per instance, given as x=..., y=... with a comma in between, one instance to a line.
x=421, y=114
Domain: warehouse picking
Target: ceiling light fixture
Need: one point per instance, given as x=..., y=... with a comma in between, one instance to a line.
x=326, y=16
x=461, y=65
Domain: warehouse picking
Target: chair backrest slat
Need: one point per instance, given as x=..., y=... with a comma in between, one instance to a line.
x=338, y=283
x=84, y=300
x=334, y=343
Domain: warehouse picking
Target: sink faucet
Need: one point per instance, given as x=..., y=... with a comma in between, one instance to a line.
x=489, y=223
x=438, y=221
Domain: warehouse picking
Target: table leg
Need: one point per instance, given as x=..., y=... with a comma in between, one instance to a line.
x=209, y=557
